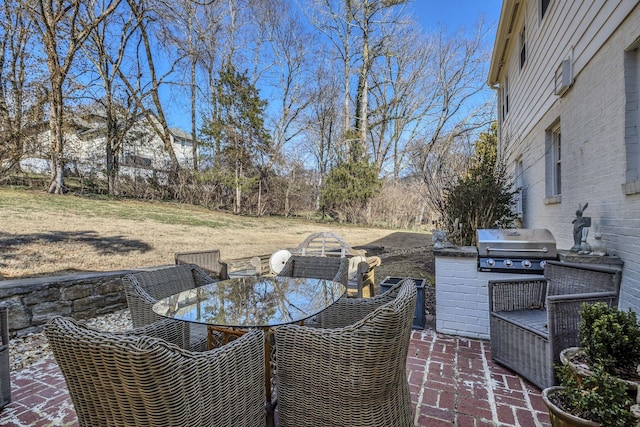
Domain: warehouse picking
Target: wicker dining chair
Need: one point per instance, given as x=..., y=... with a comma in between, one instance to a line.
x=352, y=376
x=133, y=379
x=347, y=311
x=145, y=288
x=209, y=261
x=317, y=267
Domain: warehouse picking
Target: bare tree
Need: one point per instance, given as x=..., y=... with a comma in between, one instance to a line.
x=144, y=83
x=371, y=17
x=63, y=26
x=197, y=26
x=358, y=32
x=457, y=105
x=333, y=18
x=429, y=100
x=288, y=73
x=107, y=55
x=399, y=104
x=21, y=92
x=323, y=128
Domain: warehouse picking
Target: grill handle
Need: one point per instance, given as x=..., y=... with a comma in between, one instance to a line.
x=543, y=250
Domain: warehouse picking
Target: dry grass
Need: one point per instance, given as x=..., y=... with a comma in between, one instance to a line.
x=44, y=234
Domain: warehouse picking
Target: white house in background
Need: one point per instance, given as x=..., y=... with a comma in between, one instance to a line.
x=567, y=75
x=142, y=155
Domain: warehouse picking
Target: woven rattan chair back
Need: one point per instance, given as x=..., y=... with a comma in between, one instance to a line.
x=347, y=311
x=145, y=288
x=123, y=380
x=565, y=278
x=209, y=261
x=352, y=376
x=332, y=244
x=317, y=267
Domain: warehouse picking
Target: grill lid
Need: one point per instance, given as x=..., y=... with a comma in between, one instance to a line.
x=517, y=242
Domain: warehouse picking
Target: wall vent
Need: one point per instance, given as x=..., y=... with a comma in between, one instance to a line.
x=563, y=77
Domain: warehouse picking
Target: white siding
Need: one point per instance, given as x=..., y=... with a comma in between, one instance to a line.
x=85, y=152
x=570, y=28
x=592, y=115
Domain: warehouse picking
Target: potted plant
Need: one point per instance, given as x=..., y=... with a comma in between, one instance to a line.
x=610, y=338
x=596, y=400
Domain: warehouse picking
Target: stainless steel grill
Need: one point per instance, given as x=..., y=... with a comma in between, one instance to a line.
x=515, y=250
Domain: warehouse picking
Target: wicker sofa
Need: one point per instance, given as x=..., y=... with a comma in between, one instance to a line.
x=532, y=321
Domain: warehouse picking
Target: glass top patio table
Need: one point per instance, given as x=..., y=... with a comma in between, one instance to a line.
x=248, y=302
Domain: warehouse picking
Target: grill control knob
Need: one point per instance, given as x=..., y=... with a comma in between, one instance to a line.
x=491, y=262
x=526, y=263
x=507, y=263
x=543, y=263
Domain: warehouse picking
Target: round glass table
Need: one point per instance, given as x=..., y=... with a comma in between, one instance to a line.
x=249, y=302
x=231, y=306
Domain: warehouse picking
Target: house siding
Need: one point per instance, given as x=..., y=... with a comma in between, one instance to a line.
x=592, y=115
x=143, y=153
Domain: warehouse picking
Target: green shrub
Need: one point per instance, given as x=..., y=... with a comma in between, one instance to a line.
x=484, y=197
x=610, y=337
x=601, y=398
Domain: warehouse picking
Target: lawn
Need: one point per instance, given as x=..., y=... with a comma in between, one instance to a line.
x=45, y=234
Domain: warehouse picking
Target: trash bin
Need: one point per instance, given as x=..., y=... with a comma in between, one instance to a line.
x=419, y=315
x=5, y=380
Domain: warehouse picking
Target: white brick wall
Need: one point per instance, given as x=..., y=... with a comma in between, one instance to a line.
x=462, y=298
x=592, y=115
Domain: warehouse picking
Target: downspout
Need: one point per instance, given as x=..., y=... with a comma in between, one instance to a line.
x=496, y=87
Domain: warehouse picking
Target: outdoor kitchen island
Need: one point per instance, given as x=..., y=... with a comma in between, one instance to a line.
x=462, y=274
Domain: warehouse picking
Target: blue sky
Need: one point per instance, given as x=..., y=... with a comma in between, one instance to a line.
x=430, y=13
x=453, y=13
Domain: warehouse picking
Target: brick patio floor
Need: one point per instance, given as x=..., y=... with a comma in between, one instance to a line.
x=453, y=382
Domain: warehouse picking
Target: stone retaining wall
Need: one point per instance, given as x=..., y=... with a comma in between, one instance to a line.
x=32, y=302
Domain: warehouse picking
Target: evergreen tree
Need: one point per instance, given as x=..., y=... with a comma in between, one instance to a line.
x=350, y=185
x=238, y=132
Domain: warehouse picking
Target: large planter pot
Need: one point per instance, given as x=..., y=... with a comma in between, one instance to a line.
x=568, y=358
x=560, y=418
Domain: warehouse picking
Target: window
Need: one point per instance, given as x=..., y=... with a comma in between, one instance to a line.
x=544, y=4
x=632, y=118
x=557, y=161
x=553, y=162
x=505, y=97
x=133, y=160
x=523, y=48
